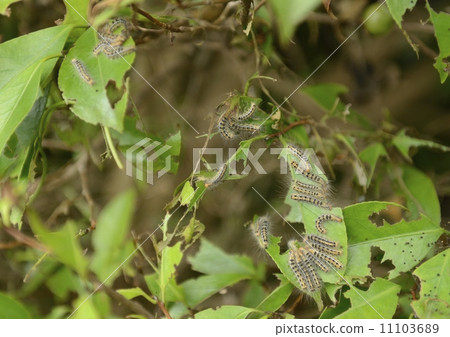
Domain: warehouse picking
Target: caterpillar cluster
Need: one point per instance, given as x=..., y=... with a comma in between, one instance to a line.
x=232, y=122
x=111, y=42
x=315, y=251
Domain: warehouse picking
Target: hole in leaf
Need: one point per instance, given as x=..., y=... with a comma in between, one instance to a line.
x=113, y=93
x=377, y=268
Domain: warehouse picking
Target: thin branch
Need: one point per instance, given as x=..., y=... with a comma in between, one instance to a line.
x=290, y=126
x=130, y=304
x=24, y=239
x=163, y=309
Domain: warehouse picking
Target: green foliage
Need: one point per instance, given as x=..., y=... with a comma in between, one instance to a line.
x=434, y=276
x=64, y=112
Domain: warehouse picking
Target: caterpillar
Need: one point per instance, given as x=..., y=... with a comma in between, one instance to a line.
x=303, y=185
x=312, y=279
x=82, y=71
x=118, y=22
x=217, y=178
x=323, y=218
x=248, y=113
x=325, y=257
x=118, y=51
x=309, y=175
x=246, y=127
x=299, y=274
x=224, y=129
x=311, y=200
x=261, y=231
x=321, y=240
x=306, y=191
x=300, y=154
x=325, y=249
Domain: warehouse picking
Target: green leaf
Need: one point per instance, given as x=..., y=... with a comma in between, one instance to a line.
x=276, y=298
x=91, y=102
x=63, y=244
x=288, y=14
x=358, y=167
x=225, y=312
x=23, y=62
x=12, y=309
x=404, y=143
x=441, y=23
x=76, y=12
x=187, y=194
x=4, y=4
x=212, y=260
x=398, y=9
x=434, y=277
x=404, y=243
x=171, y=257
x=109, y=239
x=371, y=154
x=131, y=293
x=199, y=289
x=419, y=192
x=380, y=301
x=62, y=282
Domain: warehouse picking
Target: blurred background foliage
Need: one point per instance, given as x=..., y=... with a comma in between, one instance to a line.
x=373, y=104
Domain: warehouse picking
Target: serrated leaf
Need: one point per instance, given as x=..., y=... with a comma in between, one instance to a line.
x=289, y=14
x=371, y=154
x=404, y=143
x=212, y=260
x=225, y=312
x=109, y=239
x=90, y=102
x=170, y=258
x=398, y=9
x=441, y=23
x=420, y=194
x=434, y=277
x=12, y=309
x=380, y=301
x=131, y=293
x=63, y=244
x=199, y=289
x=404, y=243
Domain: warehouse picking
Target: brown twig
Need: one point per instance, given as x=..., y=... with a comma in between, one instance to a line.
x=294, y=305
x=130, y=304
x=10, y=245
x=166, y=26
x=163, y=309
x=24, y=239
x=287, y=128
x=82, y=171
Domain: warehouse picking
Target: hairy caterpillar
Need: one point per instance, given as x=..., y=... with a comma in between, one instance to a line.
x=313, y=280
x=303, y=185
x=326, y=217
x=299, y=274
x=224, y=128
x=217, y=178
x=318, y=262
x=82, y=71
x=118, y=51
x=325, y=257
x=309, y=175
x=261, y=231
x=300, y=154
x=248, y=113
x=311, y=200
x=118, y=22
x=306, y=191
x=321, y=240
x=246, y=127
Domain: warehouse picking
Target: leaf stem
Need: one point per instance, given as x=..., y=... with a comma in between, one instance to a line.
x=111, y=147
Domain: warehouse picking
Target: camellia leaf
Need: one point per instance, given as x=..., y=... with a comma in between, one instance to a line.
x=225, y=312
x=109, y=239
x=380, y=301
x=289, y=13
x=434, y=278
x=404, y=243
x=88, y=87
x=24, y=61
x=441, y=23
x=12, y=309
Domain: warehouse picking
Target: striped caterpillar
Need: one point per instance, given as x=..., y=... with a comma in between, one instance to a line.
x=261, y=231
x=119, y=51
x=306, y=191
x=110, y=43
x=248, y=113
x=321, y=240
x=309, y=175
x=327, y=258
x=326, y=217
x=82, y=71
x=303, y=269
x=246, y=127
x=217, y=178
x=224, y=128
x=311, y=200
x=300, y=154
